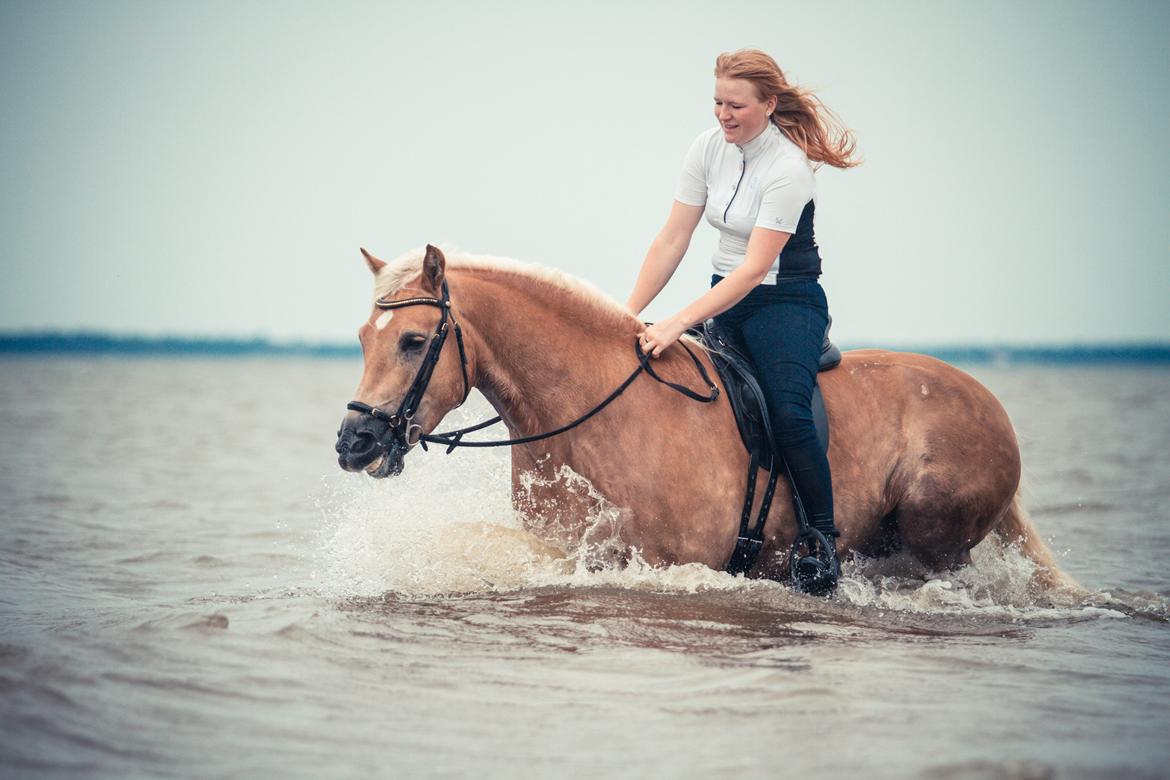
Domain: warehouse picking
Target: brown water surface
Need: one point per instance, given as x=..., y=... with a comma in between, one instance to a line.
x=190, y=587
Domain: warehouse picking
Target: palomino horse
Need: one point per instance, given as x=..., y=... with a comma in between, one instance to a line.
x=922, y=455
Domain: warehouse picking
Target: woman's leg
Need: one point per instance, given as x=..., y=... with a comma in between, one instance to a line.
x=784, y=339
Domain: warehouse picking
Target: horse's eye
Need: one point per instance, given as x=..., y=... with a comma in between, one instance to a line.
x=411, y=342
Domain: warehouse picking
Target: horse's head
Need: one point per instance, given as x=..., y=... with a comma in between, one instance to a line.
x=412, y=376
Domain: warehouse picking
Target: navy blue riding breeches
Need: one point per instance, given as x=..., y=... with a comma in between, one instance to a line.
x=781, y=327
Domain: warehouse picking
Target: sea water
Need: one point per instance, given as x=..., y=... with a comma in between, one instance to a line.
x=190, y=587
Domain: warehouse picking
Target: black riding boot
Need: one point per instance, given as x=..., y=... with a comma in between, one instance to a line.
x=814, y=563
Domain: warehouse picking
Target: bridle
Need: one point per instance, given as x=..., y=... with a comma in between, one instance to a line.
x=404, y=433
x=401, y=422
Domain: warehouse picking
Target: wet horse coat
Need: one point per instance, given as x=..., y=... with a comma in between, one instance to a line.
x=922, y=455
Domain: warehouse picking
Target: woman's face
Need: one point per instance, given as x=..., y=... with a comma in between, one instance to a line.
x=740, y=112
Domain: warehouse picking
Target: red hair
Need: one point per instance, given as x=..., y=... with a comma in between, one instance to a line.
x=799, y=113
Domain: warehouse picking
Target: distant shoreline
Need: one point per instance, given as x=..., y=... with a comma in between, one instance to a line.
x=93, y=343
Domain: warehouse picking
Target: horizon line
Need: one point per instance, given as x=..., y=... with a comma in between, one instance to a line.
x=95, y=342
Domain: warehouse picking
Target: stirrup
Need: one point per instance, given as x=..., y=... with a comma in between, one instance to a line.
x=813, y=564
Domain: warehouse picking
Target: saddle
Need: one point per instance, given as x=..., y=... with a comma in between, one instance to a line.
x=751, y=418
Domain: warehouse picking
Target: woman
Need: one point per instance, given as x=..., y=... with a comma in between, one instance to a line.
x=752, y=176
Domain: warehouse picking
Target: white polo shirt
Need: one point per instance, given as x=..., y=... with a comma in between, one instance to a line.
x=768, y=183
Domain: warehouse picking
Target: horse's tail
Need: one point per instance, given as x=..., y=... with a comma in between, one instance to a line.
x=1016, y=528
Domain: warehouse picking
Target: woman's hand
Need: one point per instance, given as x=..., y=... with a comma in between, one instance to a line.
x=656, y=338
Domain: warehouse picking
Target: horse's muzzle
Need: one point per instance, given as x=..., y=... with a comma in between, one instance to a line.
x=360, y=446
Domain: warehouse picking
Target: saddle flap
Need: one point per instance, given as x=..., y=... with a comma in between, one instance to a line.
x=743, y=391
x=746, y=397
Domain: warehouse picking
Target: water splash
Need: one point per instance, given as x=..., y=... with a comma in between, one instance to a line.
x=999, y=582
x=424, y=535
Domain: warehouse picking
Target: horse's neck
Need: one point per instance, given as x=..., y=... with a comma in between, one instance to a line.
x=541, y=358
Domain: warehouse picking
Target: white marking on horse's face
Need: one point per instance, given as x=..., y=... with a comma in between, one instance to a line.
x=383, y=320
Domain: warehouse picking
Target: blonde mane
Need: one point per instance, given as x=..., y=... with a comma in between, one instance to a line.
x=407, y=267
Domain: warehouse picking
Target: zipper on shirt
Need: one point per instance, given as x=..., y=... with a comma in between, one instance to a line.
x=742, y=168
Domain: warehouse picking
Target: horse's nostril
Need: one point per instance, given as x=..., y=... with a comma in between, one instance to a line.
x=361, y=444
x=343, y=441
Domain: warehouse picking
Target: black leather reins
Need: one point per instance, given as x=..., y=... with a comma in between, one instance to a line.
x=401, y=425
x=453, y=439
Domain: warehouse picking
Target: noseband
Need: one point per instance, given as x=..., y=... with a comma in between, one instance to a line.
x=402, y=427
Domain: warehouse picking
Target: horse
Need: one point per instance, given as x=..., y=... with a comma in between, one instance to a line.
x=923, y=457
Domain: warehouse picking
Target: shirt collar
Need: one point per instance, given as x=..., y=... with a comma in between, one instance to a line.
x=764, y=140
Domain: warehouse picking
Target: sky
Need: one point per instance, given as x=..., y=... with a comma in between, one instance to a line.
x=212, y=168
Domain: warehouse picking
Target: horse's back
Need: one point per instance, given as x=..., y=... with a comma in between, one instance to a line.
x=911, y=396
x=910, y=380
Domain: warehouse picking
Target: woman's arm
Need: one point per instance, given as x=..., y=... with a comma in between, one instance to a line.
x=763, y=247
x=664, y=255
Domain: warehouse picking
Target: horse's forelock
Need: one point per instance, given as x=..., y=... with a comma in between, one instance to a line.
x=398, y=272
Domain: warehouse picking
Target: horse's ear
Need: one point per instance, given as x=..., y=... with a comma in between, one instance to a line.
x=374, y=263
x=434, y=266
